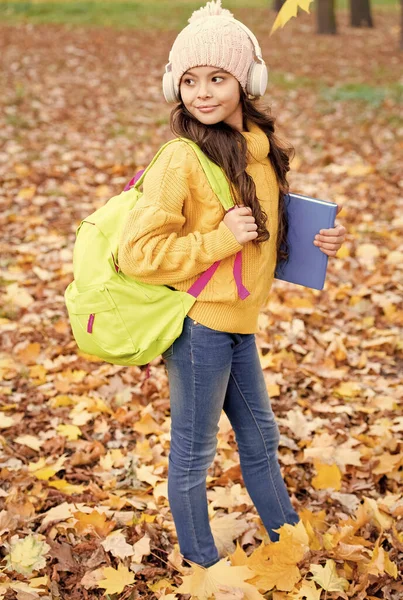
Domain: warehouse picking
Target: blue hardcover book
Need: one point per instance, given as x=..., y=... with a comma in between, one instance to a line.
x=307, y=264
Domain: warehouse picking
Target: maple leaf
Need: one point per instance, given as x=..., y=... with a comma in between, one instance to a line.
x=116, y=544
x=91, y=578
x=289, y=10
x=116, y=579
x=65, y=486
x=225, y=592
x=147, y=425
x=145, y=473
x=18, y=296
x=281, y=569
x=203, y=583
x=61, y=512
x=37, y=582
x=354, y=552
x=307, y=591
x=328, y=578
x=29, y=440
x=382, y=520
x=6, y=421
x=71, y=432
x=380, y=563
x=239, y=556
x=141, y=549
x=328, y=476
x=27, y=555
x=161, y=490
x=43, y=471
x=229, y=496
x=94, y=521
x=300, y=425
x=277, y=573
x=225, y=529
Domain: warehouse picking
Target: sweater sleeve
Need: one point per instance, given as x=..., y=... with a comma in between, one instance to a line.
x=152, y=248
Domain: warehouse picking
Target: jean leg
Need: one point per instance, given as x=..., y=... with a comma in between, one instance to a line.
x=248, y=408
x=198, y=371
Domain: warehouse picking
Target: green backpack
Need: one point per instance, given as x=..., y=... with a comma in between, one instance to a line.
x=113, y=316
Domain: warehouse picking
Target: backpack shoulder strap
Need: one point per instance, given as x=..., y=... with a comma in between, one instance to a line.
x=214, y=173
x=141, y=178
x=215, y=176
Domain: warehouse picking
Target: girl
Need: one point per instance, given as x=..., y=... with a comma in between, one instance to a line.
x=178, y=229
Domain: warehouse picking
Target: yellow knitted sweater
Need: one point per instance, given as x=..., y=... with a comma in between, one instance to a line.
x=176, y=232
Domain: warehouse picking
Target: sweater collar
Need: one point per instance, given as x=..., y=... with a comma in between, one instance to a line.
x=257, y=142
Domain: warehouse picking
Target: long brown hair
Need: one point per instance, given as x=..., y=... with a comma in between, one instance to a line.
x=227, y=147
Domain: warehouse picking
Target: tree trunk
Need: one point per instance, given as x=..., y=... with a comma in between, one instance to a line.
x=277, y=4
x=401, y=24
x=326, y=18
x=360, y=13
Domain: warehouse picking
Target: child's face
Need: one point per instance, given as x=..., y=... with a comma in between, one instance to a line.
x=213, y=88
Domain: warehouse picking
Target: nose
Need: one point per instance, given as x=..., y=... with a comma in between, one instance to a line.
x=203, y=91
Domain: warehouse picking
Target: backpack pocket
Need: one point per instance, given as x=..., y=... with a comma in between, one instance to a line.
x=98, y=326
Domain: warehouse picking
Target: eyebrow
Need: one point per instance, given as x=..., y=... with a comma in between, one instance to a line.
x=211, y=73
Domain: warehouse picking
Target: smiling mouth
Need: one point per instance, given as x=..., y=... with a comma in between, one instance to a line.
x=206, y=107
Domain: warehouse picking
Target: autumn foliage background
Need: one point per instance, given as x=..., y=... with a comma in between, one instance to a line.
x=84, y=444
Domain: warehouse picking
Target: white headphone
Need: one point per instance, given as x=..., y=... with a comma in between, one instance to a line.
x=257, y=75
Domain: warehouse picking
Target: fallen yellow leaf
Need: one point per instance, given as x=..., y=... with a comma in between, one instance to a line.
x=65, y=486
x=29, y=440
x=29, y=354
x=328, y=578
x=367, y=251
x=27, y=554
x=116, y=579
x=328, y=476
x=360, y=170
x=203, y=583
x=71, y=432
x=93, y=521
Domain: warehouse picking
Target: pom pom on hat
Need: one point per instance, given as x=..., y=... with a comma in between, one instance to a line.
x=212, y=9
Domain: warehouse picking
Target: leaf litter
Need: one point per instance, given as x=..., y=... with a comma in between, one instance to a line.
x=83, y=445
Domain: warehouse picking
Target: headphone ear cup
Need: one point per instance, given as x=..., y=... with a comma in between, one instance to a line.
x=257, y=79
x=168, y=88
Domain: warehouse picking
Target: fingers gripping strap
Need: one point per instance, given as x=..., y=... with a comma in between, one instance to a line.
x=221, y=188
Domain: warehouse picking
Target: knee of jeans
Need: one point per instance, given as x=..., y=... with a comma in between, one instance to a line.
x=192, y=458
x=267, y=442
x=273, y=438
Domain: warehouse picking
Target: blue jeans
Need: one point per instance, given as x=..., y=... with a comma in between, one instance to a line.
x=210, y=371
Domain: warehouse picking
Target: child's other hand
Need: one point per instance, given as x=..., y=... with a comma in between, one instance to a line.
x=242, y=224
x=330, y=240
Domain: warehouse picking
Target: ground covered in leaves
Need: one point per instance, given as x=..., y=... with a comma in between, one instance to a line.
x=84, y=445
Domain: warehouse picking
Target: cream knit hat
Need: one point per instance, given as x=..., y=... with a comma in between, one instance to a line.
x=212, y=38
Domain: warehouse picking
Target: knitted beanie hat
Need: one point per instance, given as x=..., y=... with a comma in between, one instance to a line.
x=212, y=38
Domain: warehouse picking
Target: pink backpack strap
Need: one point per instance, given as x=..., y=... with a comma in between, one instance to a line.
x=199, y=285
x=242, y=291
x=133, y=180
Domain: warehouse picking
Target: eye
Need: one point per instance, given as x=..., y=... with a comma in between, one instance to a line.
x=186, y=81
x=218, y=77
